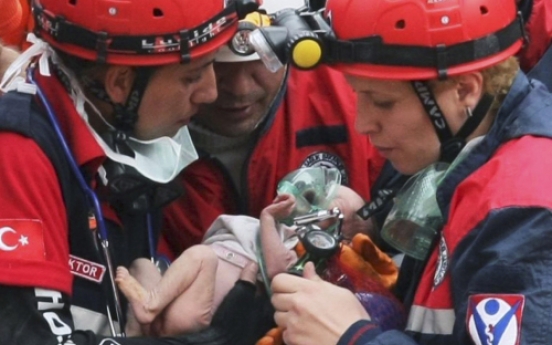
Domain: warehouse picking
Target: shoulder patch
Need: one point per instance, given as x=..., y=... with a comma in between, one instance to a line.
x=22, y=239
x=327, y=160
x=495, y=319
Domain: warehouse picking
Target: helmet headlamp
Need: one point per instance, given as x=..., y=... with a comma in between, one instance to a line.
x=239, y=44
x=265, y=51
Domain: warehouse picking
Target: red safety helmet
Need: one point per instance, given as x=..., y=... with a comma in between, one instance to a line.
x=421, y=39
x=138, y=32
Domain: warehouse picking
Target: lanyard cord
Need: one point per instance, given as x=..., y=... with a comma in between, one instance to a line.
x=151, y=247
x=92, y=199
x=262, y=264
x=90, y=194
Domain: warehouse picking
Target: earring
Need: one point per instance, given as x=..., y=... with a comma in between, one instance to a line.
x=469, y=112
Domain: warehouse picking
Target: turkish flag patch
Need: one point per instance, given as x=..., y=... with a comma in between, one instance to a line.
x=495, y=319
x=21, y=239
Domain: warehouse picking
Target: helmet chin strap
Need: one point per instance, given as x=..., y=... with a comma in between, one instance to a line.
x=451, y=144
x=125, y=115
x=127, y=188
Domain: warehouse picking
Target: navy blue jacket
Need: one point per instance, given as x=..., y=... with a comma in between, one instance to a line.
x=489, y=279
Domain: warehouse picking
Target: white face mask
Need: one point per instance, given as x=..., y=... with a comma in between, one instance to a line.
x=159, y=160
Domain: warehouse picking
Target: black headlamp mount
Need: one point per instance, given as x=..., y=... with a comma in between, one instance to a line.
x=295, y=36
x=279, y=41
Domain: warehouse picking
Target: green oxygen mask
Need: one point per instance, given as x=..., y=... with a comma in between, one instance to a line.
x=313, y=189
x=415, y=219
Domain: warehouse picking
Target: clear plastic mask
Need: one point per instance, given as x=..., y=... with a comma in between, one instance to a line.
x=415, y=218
x=313, y=189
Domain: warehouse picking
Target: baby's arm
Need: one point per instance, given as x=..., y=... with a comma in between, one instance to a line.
x=277, y=257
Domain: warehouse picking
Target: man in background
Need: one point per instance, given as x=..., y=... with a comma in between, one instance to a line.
x=262, y=126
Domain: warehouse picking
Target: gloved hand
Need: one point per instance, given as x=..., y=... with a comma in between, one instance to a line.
x=364, y=269
x=363, y=256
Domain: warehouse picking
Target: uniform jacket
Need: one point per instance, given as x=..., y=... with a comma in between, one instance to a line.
x=489, y=278
x=310, y=124
x=53, y=279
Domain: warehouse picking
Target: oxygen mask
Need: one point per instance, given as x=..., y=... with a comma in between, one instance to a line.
x=415, y=219
x=313, y=189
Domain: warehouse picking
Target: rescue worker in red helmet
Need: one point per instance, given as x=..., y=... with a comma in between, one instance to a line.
x=89, y=144
x=441, y=95
x=239, y=165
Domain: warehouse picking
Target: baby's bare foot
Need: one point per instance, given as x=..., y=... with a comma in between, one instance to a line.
x=137, y=296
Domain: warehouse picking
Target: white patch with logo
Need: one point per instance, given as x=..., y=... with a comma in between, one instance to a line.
x=327, y=160
x=495, y=319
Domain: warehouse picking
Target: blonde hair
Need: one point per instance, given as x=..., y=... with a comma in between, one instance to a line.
x=497, y=81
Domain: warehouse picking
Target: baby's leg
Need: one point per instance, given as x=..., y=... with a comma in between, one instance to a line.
x=137, y=294
x=276, y=256
x=189, y=286
x=147, y=274
x=190, y=269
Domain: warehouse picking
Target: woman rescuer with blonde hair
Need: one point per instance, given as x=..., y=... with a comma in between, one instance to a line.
x=441, y=96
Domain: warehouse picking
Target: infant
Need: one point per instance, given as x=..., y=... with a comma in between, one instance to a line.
x=185, y=298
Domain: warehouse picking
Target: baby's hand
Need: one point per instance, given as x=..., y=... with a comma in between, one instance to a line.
x=277, y=257
x=281, y=207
